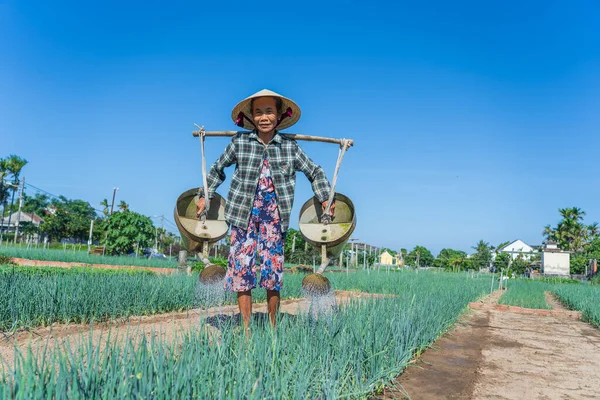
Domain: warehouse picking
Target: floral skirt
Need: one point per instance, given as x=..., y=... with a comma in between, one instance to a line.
x=261, y=245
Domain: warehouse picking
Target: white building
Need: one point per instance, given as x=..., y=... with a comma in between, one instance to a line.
x=517, y=247
x=555, y=261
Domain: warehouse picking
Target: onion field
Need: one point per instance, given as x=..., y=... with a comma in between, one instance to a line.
x=584, y=298
x=351, y=352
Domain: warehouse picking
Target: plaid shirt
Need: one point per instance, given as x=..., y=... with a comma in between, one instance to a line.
x=285, y=158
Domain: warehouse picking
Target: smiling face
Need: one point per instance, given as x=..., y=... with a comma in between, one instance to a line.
x=264, y=114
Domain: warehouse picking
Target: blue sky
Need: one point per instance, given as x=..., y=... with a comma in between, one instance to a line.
x=472, y=120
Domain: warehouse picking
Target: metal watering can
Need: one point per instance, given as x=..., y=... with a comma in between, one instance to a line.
x=326, y=234
x=198, y=233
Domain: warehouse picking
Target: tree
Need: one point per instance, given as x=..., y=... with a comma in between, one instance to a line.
x=127, y=230
x=105, y=207
x=4, y=172
x=68, y=219
x=15, y=165
x=36, y=204
x=123, y=206
x=55, y=223
x=28, y=228
x=572, y=235
x=502, y=261
x=299, y=255
x=420, y=257
x=450, y=259
x=483, y=257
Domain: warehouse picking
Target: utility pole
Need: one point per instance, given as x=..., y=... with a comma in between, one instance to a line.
x=113, y=200
x=20, y=208
x=90, y=239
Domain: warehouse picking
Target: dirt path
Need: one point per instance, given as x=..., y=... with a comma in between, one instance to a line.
x=509, y=354
x=165, y=325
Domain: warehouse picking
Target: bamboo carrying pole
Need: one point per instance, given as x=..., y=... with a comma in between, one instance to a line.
x=294, y=136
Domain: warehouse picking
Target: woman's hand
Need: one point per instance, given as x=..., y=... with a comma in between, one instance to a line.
x=200, y=206
x=331, y=210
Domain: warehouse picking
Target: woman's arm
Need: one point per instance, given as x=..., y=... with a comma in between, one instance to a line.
x=314, y=173
x=216, y=175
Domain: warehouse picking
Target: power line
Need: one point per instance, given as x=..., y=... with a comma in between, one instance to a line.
x=57, y=197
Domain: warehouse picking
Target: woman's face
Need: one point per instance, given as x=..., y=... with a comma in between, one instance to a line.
x=264, y=114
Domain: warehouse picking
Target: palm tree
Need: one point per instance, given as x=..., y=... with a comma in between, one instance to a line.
x=105, y=207
x=15, y=165
x=3, y=188
x=593, y=230
x=123, y=206
x=549, y=233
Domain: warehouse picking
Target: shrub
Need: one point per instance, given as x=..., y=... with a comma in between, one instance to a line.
x=6, y=260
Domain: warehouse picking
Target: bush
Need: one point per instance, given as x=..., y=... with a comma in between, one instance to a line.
x=6, y=260
x=198, y=266
x=596, y=280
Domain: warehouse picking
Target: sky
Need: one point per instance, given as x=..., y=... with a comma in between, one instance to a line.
x=472, y=120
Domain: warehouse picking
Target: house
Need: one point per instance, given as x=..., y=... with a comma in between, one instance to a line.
x=386, y=258
x=18, y=218
x=555, y=261
x=517, y=247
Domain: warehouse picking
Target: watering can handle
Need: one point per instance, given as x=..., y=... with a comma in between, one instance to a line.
x=202, y=135
x=344, y=145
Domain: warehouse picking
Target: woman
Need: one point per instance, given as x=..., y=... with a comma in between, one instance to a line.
x=261, y=195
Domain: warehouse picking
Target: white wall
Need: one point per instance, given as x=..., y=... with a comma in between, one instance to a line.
x=556, y=263
x=516, y=247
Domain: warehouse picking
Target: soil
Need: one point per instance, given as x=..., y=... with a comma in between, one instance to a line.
x=167, y=326
x=508, y=354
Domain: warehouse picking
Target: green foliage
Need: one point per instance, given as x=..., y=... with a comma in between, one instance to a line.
x=358, y=348
x=126, y=231
x=502, y=261
x=299, y=255
x=69, y=219
x=5, y=260
x=573, y=235
x=483, y=257
x=451, y=260
x=420, y=257
x=36, y=204
x=199, y=265
x=519, y=265
x=595, y=280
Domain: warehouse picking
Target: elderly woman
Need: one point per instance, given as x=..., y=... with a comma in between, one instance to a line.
x=261, y=195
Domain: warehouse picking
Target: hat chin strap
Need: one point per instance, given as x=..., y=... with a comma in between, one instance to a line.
x=240, y=120
x=288, y=113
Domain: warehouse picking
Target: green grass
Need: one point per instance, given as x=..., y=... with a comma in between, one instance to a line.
x=82, y=256
x=351, y=353
x=527, y=294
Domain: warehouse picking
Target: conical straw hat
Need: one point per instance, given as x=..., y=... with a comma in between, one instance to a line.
x=244, y=107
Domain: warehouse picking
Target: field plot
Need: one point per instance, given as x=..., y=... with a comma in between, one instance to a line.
x=81, y=256
x=500, y=352
x=351, y=352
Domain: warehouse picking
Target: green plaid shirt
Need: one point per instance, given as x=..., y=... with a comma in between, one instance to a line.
x=285, y=158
